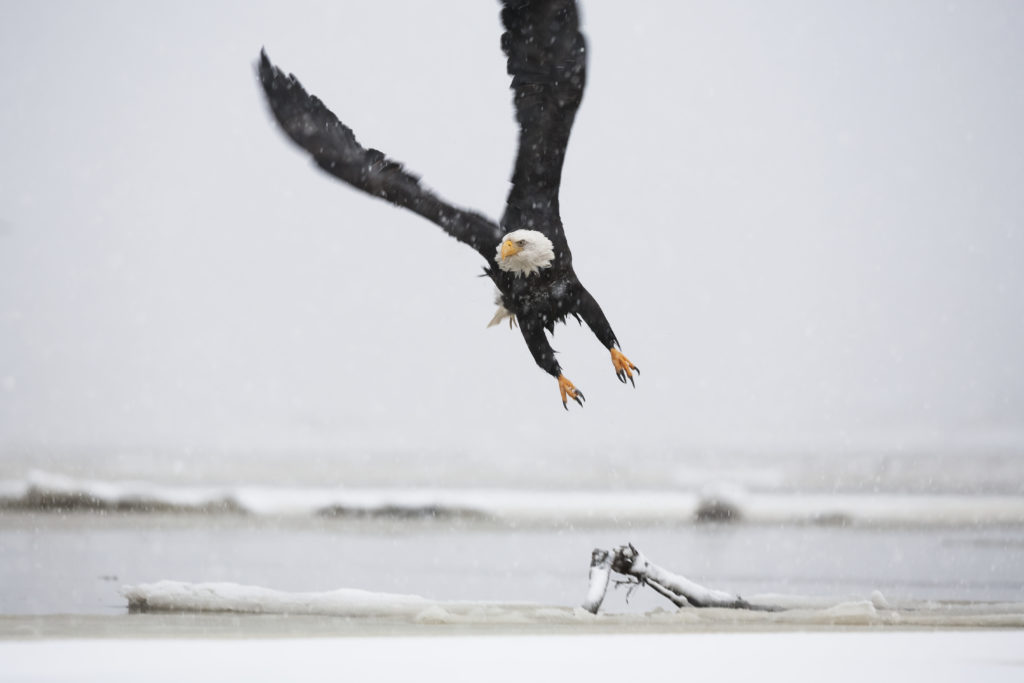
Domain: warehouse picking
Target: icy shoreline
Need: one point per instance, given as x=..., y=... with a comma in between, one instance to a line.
x=41, y=491
x=798, y=611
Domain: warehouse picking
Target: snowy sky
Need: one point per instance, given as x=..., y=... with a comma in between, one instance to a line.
x=804, y=221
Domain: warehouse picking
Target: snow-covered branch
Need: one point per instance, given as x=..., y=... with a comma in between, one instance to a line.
x=630, y=562
x=600, y=573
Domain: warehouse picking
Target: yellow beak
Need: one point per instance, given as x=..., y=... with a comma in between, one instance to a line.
x=508, y=248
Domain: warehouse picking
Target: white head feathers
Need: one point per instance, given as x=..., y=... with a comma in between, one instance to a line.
x=524, y=252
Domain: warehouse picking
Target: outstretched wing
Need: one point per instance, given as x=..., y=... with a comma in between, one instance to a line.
x=334, y=148
x=547, y=61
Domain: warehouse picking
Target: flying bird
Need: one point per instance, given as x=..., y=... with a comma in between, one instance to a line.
x=527, y=255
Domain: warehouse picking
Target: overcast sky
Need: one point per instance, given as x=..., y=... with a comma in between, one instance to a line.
x=804, y=220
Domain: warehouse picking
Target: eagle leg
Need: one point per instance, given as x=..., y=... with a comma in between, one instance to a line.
x=568, y=390
x=623, y=367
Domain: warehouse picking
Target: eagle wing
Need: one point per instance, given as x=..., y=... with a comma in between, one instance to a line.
x=334, y=148
x=547, y=61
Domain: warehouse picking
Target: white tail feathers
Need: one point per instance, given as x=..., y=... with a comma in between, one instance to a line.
x=500, y=315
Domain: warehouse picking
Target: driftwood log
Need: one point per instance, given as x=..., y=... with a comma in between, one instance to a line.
x=631, y=563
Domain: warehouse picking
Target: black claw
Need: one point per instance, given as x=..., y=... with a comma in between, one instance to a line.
x=579, y=398
x=565, y=405
x=631, y=381
x=637, y=369
x=621, y=375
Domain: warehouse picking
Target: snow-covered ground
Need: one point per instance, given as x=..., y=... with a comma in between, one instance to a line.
x=989, y=656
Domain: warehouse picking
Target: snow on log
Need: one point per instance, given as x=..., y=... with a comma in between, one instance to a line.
x=600, y=574
x=176, y=596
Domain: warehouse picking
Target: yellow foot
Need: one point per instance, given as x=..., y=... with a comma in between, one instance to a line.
x=569, y=390
x=624, y=367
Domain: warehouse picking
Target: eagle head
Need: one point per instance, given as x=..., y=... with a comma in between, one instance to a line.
x=524, y=252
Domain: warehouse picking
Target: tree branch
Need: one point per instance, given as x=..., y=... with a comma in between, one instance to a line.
x=681, y=591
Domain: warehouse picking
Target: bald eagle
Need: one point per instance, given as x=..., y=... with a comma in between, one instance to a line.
x=527, y=255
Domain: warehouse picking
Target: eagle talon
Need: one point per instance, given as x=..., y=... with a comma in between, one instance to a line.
x=624, y=367
x=568, y=390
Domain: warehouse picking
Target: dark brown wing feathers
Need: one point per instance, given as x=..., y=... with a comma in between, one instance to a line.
x=312, y=126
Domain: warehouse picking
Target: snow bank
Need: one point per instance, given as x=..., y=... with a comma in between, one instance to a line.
x=46, y=491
